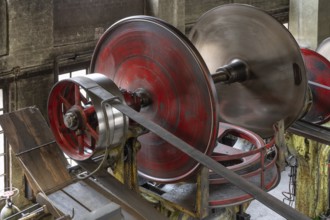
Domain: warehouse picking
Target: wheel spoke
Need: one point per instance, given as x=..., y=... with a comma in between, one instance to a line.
x=91, y=131
x=93, y=142
x=77, y=95
x=83, y=99
x=64, y=129
x=65, y=102
x=89, y=110
x=81, y=143
x=87, y=145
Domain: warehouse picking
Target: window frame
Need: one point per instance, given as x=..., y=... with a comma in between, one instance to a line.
x=5, y=98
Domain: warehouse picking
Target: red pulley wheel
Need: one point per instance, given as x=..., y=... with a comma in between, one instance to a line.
x=318, y=74
x=146, y=53
x=72, y=118
x=81, y=126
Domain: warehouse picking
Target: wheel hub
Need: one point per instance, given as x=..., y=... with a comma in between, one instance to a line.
x=71, y=120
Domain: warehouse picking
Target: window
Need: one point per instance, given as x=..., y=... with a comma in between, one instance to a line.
x=66, y=75
x=81, y=72
x=2, y=147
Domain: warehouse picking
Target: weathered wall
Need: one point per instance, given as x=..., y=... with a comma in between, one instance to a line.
x=184, y=13
x=40, y=31
x=171, y=11
x=3, y=28
x=31, y=91
x=309, y=21
x=195, y=8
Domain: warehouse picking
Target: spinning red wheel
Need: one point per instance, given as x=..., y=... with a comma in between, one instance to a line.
x=79, y=124
x=147, y=56
x=318, y=74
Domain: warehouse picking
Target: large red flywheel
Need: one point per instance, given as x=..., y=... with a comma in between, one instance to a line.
x=146, y=53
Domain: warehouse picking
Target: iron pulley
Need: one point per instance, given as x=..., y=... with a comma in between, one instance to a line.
x=268, y=83
x=81, y=123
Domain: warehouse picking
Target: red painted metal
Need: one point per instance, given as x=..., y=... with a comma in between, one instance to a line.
x=144, y=52
x=253, y=166
x=78, y=143
x=318, y=74
x=247, y=159
x=219, y=199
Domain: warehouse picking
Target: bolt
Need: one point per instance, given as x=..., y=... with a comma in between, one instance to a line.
x=71, y=120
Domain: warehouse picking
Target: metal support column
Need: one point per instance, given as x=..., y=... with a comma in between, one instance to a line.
x=309, y=21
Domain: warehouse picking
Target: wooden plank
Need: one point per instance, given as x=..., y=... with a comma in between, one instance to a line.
x=30, y=137
x=26, y=129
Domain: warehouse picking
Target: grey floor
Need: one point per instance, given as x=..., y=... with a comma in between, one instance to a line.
x=258, y=211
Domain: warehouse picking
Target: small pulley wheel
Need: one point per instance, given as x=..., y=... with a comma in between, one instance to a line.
x=81, y=124
x=273, y=86
x=318, y=74
x=145, y=53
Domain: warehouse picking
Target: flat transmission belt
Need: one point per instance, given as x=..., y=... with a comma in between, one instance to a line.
x=262, y=196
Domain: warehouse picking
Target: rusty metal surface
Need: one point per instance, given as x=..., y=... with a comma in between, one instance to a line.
x=44, y=166
x=277, y=82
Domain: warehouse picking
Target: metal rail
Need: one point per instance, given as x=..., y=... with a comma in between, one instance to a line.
x=262, y=196
x=312, y=131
